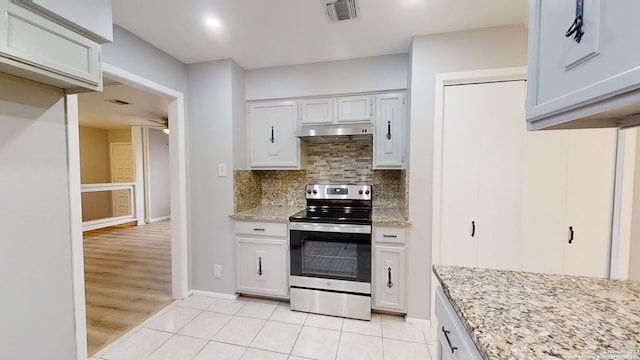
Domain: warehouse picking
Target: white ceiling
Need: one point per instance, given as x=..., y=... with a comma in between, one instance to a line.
x=264, y=33
x=143, y=109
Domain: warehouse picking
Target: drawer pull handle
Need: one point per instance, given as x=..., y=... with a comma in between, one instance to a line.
x=258, y=229
x=446, y=335
x=259, y=266
x=473, y=228
x=389, y=236
x=389, y=283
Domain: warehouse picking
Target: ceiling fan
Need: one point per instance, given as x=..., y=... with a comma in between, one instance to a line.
x=162, y=122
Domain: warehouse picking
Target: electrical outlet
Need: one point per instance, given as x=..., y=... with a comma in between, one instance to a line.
x=222, y=170
x=217, y=270
x=284, y=186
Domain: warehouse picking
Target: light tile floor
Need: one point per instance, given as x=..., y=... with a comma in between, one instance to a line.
x=203, y=328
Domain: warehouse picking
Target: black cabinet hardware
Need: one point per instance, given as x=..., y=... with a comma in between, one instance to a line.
x=389, y=283
x=576, y=27
x=389, y=236
x=258, y=229
x=259, y=266
x=389, y=130
x=473, y=228
x=570, y=234
x=446, y=335
x=272, y=139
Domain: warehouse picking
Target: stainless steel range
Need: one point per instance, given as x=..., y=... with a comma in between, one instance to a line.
x=330, y=250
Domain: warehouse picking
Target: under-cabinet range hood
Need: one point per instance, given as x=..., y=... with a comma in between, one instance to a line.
x=325, y=133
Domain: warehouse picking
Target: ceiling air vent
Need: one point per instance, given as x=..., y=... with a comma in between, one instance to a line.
x=117, y=101
x=341, y=10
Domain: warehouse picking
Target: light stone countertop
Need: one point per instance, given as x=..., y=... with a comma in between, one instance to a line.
x=522, y=315
x=282, y=213
x=392, y=216
x=267, y=213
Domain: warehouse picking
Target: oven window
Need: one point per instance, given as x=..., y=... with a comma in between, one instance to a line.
x=331, y=255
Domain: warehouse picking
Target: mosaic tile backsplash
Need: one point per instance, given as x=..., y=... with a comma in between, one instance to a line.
x=339, y=161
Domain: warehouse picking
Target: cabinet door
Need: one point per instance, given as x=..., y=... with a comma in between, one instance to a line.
x=261, y=266
x=390, y=277
x=354, y=109
x=565, y=74
x=272, y=141
x=590, y=186
x=316, y=111
x=389, y=136
x=41, y=50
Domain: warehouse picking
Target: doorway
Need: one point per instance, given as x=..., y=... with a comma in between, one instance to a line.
x=178, y=262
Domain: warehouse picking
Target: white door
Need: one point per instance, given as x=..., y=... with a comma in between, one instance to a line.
x=122, y=171
x=482, y=177
x=460, y=177
x=590, y=185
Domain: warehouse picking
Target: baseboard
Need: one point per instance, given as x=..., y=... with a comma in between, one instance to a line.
x=212, y=294
x=423, y=322
x=161, y=218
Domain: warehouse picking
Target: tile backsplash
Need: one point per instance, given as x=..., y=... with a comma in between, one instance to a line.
x=335, y=162
x=340, y=161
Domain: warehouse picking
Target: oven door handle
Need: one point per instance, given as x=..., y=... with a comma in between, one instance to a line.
x=331, y=228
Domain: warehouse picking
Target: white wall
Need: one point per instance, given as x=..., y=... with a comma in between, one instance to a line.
x=332, y=77
x=634, y=250
x=210, y=130
x=497, y=47
x=130, y=53
x=37, y=309
x=158, y=157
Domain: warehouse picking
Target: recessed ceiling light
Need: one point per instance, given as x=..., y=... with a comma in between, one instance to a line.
x=214, y=23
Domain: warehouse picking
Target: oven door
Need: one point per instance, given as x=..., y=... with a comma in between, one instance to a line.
x=331, y=251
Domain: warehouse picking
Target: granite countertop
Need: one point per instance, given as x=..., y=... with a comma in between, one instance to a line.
x=268, y=213
x=389, y=216
x=522, y=315
x=282, y=213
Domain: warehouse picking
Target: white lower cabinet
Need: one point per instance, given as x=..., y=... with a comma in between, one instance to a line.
x=453, y=340
x=262, y=251
x=389, y=269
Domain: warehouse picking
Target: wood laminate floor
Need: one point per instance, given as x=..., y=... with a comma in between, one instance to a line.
x=127, y=279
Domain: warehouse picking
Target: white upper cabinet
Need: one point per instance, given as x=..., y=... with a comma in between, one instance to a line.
x=591, y=83
x=390, y=146
x=38, y=44
x=354, y=109
x=317, y=111
x=91, y=18
x=272, y=141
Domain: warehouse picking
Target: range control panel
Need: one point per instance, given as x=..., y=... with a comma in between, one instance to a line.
x=345, y=192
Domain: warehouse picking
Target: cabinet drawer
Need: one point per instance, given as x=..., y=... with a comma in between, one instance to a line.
x=390, y=235
x=261, y=228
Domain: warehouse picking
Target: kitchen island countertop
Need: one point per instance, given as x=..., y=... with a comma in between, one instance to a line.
x=522, y=315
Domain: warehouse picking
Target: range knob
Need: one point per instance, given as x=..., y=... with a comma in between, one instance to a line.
x=367, y=192
x=308, y=191
x=359, y=192
x=315, y=192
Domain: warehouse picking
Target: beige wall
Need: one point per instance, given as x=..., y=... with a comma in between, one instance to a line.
x=120, y=135
x=94, y=169
x=504, y=46
x=94, y=155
